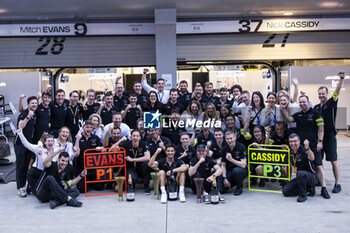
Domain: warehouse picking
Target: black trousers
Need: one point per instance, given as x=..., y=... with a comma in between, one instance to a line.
x=207, y=185
x=236, y=176
x=298, y=185
x=141, y=170
x=23, y=156
x=33, y=177
x=51, y=190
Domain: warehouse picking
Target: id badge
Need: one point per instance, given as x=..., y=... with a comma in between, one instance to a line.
x=294, y=170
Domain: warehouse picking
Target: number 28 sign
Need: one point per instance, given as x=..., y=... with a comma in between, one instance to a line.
x=101, y=166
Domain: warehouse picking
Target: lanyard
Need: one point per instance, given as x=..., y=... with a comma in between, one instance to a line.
x=257, y=117
x=274, y=116
x=160, y=98
x=135, y=152
x=74, y=113
x=65, y=146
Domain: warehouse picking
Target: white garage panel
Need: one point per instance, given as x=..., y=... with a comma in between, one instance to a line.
x=77, y=51
x=261, y=46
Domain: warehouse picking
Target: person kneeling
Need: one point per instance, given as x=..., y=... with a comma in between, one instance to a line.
x=56, y=185
x=166, y=166
x=303, y=167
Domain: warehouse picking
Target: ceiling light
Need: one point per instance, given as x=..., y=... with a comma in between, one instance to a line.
x=329, y=4
x=288, y=13
x=2, y=10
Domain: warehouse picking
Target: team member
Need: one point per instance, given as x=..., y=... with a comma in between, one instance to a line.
x=26, y=121
x=240, y=110
x=254, y=112
x=115, y=138
x=143, y=132
x=236, y=92
x=165, y=165
x=117, y=122
x=328, y=111
x=74, y=112
x=305, y=171
x=132, y=112
x=152, y=104
x=192, y=113
x=184, y=151
x=120, y=96
x=97, y=125
x=107, y=109
x=137, y=158
x=310, y=126
x=234, y=163
x=279, y=136
x=202, y=166
x=59, y=112
x=184, y=95
x=163, y=95
x=223, y=100
x=91, y=106
x=198, y=96
x=86, y=140
x=208, y=96
x=204, y=137
x=57, y=185
x=172, y=104
x=156, y=140
x=215, y=150
x=141, y=97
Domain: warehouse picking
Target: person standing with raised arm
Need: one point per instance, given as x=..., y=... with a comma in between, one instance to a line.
x=163, y=95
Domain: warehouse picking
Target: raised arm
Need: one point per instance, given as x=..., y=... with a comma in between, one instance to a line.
x=28, y=145
x=339, y=85
x=20, y=102
x=296, y=89
x=144, y=83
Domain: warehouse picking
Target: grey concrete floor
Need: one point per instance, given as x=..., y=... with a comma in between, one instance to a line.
x=250, y=212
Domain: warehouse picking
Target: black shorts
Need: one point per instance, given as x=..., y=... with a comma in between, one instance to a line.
x=318, y=156
x=330, y=147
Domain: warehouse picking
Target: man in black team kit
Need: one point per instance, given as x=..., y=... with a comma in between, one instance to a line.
x=90, y=107
x=302, y=158
x=172, y=104
x=132, y=112
x=59, y=111
x=310, y=126
x=26, y=121
x=184, y=95
x=107, y=109
x=137, y=157
x=56, y=186
x=141, y=97
x=74, y=113
x=234, y=163
x=328, y=110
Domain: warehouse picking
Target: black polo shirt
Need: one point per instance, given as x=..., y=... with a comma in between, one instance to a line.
x=201, y=139
x=111, y=142
x=153, y=146
x=328, y=111
x=238, y=153
x=132, y=115
x=58, y=114
x=134, y=152
x=204, y=169
x=121, y=102
x=72, y=119
x=164, y=165
x=84, y=144
x=306, y=125
x=218, y=104
x=190, y=153
x=91, y=109
x=60, y=177
x=185, y=99
x=216, y=149
x=301, y=161
x=277, y=140
x=106, y=115
x=28, y=131
x=173, y=134
x=168, y=107
x=209, y=99
x=43, y=118
x=202, y=102
x=141, y=99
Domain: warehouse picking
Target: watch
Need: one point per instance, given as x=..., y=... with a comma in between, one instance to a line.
x=320, y=140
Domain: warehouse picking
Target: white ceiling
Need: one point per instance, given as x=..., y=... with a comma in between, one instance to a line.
x=96, y=10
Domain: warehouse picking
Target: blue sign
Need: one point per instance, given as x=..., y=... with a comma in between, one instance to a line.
x=151, y=120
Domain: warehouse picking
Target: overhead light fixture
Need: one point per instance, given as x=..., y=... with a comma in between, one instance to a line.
x=329, y=4
x=3, y=84
x=288, y=13
x=2, y=10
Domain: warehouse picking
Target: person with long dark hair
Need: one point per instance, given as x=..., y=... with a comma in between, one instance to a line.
x=152, y=103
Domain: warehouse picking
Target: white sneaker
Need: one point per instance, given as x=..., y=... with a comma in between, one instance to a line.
x=182, y=196
x=163, y=198
x=22, y=192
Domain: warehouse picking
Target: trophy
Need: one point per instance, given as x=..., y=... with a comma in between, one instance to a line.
x=120, y=180
x=155, y=178
x=198, y=182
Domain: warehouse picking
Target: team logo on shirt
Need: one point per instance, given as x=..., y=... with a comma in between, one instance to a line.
x=151, y=120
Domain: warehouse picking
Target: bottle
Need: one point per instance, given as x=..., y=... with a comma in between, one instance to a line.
x=130, y=195
x=172, y=186
x=214, y=193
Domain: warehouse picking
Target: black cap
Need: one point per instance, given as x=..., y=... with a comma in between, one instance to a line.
x=201, y=147
x=87, y=122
